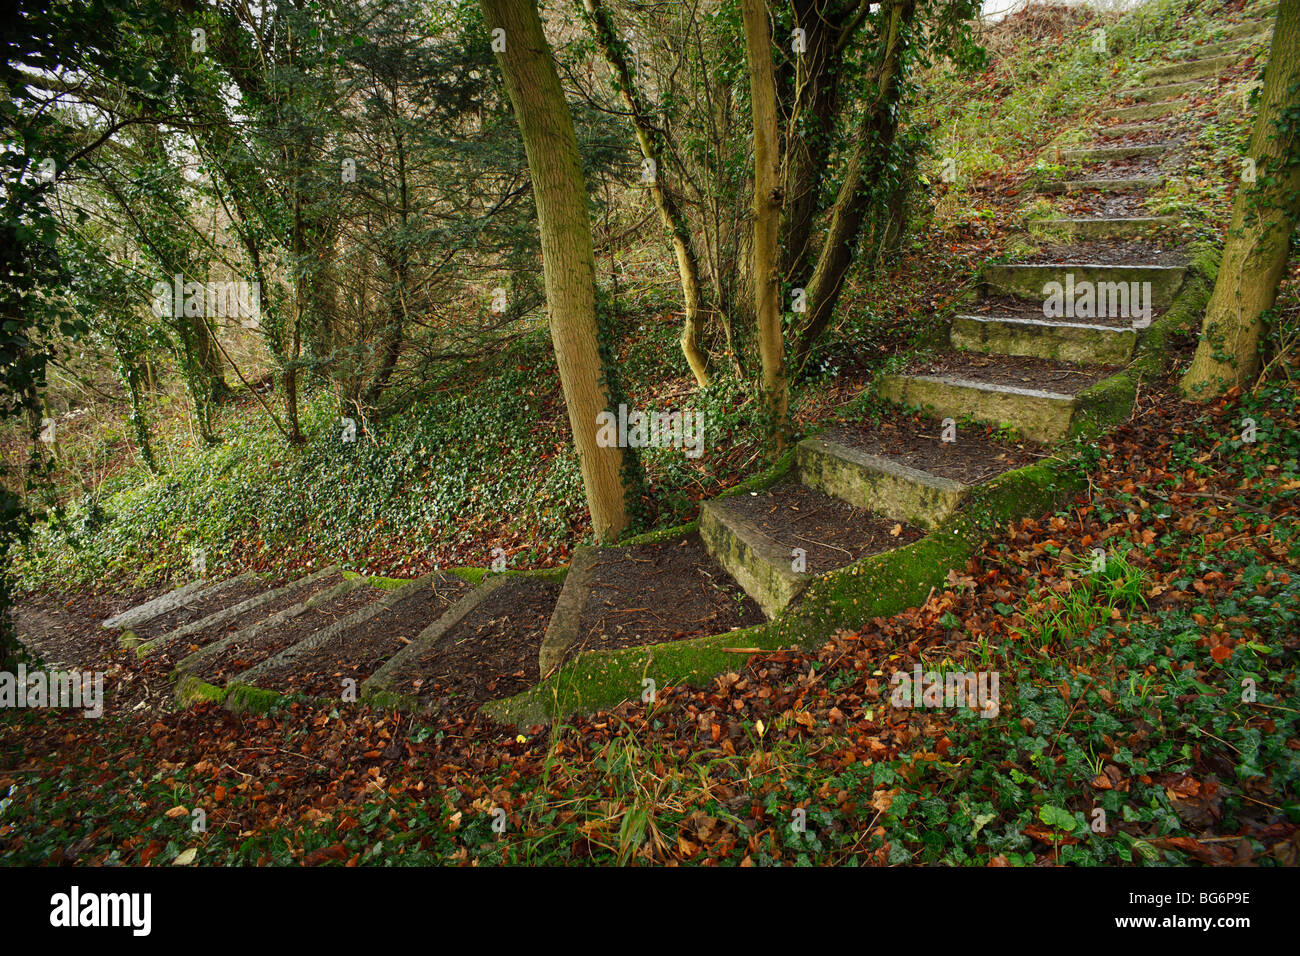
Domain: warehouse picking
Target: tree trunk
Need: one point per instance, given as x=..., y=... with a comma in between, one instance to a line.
x=767, y=219
x=647, y=137
x=568, y=262
x=812, y=123
x=875, y=138
x=1264, y=214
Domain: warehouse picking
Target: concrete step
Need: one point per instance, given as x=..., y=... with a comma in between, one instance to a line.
x=1231, y=47
x=1105, y=154
x=414, y=596
x=1163, y=93
x=563, y=630
x=1125, y=184
x=156, y=607
x=1144, y=111
x=381, y=680
x=1028, y=280
x=1042, y=415
x=1104, y=228
x=1044, y=338
x=878, y=484
x=1127, y=129
x=270, y=596
x=253, y=634
x=1189, y=70
x=758, y=563
x=1244, y=30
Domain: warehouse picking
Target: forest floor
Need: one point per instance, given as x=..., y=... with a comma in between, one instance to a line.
x=1157, y=691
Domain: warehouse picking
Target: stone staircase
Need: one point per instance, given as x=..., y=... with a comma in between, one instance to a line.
x=1010, y=383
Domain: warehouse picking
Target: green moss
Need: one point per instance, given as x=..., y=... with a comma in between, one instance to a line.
x=244, y=698
x=386, y=584
x=191, y=690
x=472, y=575
x=878, y=585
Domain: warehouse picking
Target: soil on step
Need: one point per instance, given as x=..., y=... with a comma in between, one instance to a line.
x=654, y=593
x=833, y=533
x=491, y=654
x=200, y=608
x=1005, y=306
x=1095, y=204
x=63, y=629
x=244, y=653
x=916, y=441
x=175, y=650
x=1146, y=134
x=1012, y=370
x=1114, y=252
x=1134, y=167
x=357, y=652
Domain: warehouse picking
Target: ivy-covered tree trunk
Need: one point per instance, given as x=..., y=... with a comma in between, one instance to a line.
x=875, y=137
x=568, y=260
x=1264, y=214
x=767, y=220
x=670, y=215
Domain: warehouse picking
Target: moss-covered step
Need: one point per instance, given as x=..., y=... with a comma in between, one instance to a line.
x=1189, y=70
x=1104, y=228
x=1162, y=93
x=1106, y=154
x=758, y=563
x=1246, y=30
x=1143, y=111
x=379, y=684
x=1231, y=46
x=1028, y=280
x=1120, y=184
x=156, y=607
x=1044, y=416
x=195, y=662
x=877, y=483
x=1043, y=338
x=1128, y=129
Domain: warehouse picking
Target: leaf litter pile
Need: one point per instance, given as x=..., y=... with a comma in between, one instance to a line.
x=1146, y=715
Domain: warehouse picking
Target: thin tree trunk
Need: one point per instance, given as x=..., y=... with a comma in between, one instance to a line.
x=1264, y=215
x=568, y=261
x=670, y=214
x=767, y=220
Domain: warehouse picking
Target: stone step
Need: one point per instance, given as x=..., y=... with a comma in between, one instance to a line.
x=1125, y=184
x=1104, y=228
x=1027, y=280
x=757, y=562
x=420, y=596
x=1104, y=154
x=563, y=629
x=1127, y=129
x=1226, y=47
x=878, y=484
x=1190, y=70
x=233, y=613
x=1044, y=338
x=1163, y=93
x=501, y=622
x=1144, y=111
x=264, y=630
x=1245, y=29
x=156, y=607
x=1042, y=415
x=382, y=679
